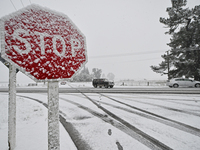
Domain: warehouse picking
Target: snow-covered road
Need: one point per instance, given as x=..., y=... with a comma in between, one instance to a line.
x=108, y=121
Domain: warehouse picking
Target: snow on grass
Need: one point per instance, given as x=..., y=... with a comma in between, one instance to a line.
x=31, y=126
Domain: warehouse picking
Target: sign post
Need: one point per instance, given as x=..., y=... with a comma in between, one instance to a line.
x=46, y=46
x=12, y=108
x=53, y=116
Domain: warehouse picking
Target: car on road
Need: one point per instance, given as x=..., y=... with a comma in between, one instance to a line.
x=102, y=83
x=183, y=82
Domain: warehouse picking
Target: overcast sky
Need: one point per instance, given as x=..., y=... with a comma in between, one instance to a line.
x=123, y=37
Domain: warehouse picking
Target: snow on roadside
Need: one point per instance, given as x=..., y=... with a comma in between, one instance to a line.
x=32, y=122
x=31, y=126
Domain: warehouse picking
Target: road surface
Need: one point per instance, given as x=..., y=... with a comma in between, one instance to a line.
x=157, y=90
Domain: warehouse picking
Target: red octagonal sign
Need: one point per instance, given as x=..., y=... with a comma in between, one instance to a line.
x=44, y=44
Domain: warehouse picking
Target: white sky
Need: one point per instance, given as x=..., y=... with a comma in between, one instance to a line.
x=124, y=37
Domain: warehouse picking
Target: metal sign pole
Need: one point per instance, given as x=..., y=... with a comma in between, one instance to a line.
x=12, y=108
x=53, y=116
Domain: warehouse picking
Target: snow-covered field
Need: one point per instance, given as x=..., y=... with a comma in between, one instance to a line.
x=97, y=129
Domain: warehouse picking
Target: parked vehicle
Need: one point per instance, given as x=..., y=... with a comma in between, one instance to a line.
x=102, y=83
x=183, y=82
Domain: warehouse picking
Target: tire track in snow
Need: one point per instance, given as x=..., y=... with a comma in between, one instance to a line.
x=169, y=108
x=161, y=119
x=158, y=118
x=172, y=100
x=123, y=125
x=129, y=129
x=155, y=117
x=79, y=142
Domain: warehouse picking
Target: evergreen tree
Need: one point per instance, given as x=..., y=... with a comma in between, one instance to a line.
x=184, y=28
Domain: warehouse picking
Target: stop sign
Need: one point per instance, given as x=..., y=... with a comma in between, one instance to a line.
x=44, y=44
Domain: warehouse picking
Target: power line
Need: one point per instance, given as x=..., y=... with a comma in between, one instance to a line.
x=13, y=4
x=142, y=53
x=127, y=61
x=126, y=54
x=22, y=3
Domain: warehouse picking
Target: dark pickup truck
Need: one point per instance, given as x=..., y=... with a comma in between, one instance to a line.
x=102, y=83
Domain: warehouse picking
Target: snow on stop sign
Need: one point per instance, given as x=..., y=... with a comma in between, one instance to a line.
x=44, y=44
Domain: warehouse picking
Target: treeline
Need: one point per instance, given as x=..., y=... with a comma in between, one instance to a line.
x=85, y=76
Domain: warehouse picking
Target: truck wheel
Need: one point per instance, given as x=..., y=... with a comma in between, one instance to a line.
x=111, y=86
x=95, y=86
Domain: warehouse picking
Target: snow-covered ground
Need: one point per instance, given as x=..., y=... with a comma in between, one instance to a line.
x=31, y=126
x=93, y=128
